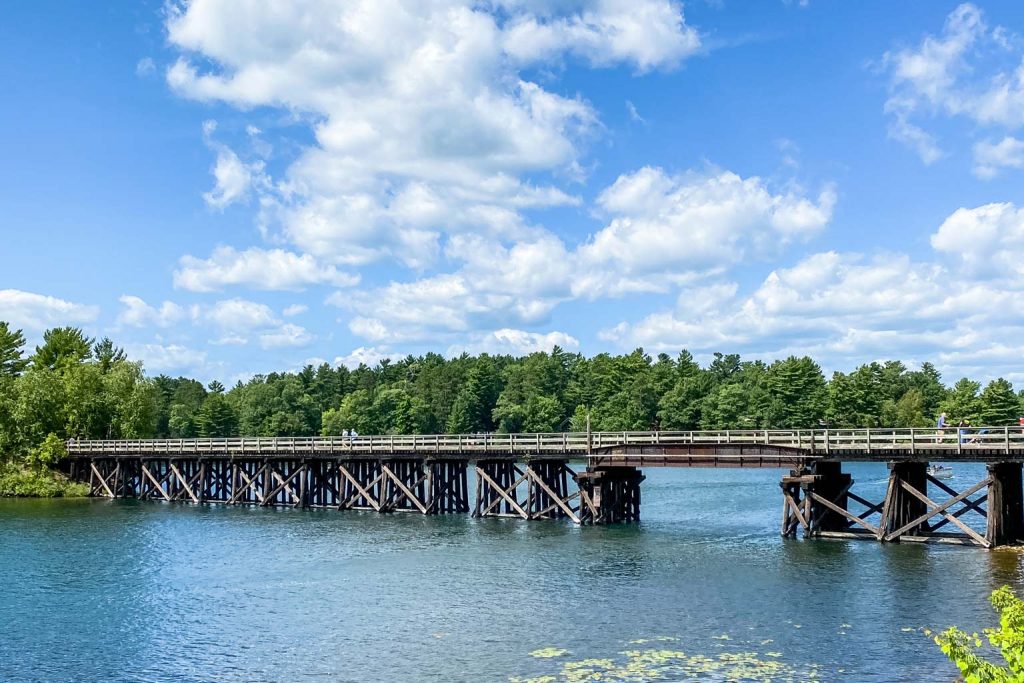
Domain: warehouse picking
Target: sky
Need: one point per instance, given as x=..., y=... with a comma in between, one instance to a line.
x=235, y=187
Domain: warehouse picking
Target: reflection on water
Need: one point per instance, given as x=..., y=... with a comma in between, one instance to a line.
x=97, y=590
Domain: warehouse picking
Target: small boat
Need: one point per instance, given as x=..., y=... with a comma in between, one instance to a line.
x=940, y=472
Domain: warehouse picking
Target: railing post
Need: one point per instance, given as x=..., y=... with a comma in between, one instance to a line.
x=867, y=439
x=1006, y=438
x=913, y=442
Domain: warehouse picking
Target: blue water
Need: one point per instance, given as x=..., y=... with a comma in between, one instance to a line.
x=127, y=591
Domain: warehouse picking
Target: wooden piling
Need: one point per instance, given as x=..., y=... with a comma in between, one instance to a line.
x=1005, y=504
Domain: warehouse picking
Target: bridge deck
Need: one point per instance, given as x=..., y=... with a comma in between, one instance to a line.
x=747, y=448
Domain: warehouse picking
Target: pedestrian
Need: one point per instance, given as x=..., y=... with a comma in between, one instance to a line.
x=961, y=429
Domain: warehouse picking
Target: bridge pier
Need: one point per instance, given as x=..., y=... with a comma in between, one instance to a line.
x=449, y=486
x=1005, y=524
x=609, y=495
x=497, y=489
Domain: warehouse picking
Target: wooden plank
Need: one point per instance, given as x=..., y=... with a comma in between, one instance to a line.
x=358, y=487
x=250, y=484
x=501, y=492
x=845, y=513
x=936, y=509
x=410, y=496
x=158, y=484
x=99, y=476
x=554, y=496
x=188, y=489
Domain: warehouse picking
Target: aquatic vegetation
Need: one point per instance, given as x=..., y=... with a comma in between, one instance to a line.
x=548, y=652
x=639, y=665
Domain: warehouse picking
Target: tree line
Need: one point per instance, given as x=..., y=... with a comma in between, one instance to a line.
x=72, y=386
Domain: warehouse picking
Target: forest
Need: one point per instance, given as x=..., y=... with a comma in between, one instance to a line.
x=72, y=386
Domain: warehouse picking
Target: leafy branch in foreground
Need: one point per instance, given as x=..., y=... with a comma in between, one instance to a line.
x=964, y=649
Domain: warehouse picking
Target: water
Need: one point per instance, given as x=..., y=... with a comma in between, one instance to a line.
x=125, y=591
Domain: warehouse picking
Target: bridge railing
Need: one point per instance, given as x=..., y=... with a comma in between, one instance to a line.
x=816, y=441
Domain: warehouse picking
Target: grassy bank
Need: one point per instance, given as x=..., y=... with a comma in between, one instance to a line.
x=25, y=482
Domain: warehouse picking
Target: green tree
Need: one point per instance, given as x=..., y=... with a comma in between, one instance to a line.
x=961, y=401
x=906, y=412
x=725, y=407
x=12, y=347
x=107, y=355
x=998, y=405
x=543, y=414
x=1008, y=639
x=39, y=406
x=216, y=418
x=62, y=347
x=473, y=408
x=48, y=453
x=797, y=388
x=355, y=412
x=928, y=381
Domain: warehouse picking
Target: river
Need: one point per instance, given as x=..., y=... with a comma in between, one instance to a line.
x=702, y=589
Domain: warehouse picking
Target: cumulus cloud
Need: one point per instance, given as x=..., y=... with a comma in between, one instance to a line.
x=363, y=355
x=38, y=311
x=267, y=269
x=287, y=334
x=664, y=231
x=667, y=225
x=423, y=122
x=166, y=358
x=137, y=313
x=987, y=240
x=991, y=157
x=646, y=34
x=237, y=321
x=513, y=342
x=969, y=70
x=233, y=178
x=845, y=307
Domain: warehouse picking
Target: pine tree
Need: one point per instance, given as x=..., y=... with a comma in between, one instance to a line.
x=12, y=345
x=998, y=405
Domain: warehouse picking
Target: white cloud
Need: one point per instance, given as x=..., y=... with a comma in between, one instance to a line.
x=665, y=231
x=237, y=321
x=233, y=178
x=172, y=357
x=667, y=228
x=369, y=356
x=285, y=336
x=236, y=315
x=38, y=311
x=294, y=309
x=843, y=308
x=987, y=240
x=266, y=269
x=990, y=157
x=513, y=342
x=423, y=123
x=970, y=70
x=647, y=33
x=137, y=313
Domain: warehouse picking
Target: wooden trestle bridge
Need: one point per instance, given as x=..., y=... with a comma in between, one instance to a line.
x=588, y=478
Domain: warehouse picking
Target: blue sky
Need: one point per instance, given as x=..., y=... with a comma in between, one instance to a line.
x=229, y=188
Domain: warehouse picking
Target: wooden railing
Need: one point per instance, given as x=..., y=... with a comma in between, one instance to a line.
x=821, y=442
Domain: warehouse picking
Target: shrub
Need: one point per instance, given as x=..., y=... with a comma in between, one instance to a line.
x=964, y=649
